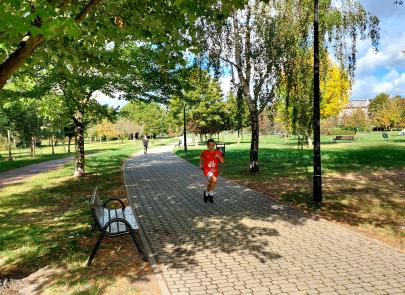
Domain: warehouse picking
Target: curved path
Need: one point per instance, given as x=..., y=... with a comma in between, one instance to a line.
x=20, y=174
x=246, y=243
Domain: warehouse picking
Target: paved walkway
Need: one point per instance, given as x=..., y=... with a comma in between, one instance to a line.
x=246, y=243
x=20, y=174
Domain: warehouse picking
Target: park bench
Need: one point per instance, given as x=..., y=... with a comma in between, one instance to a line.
x=221, y=147
x=343, y=137
x=113, y=222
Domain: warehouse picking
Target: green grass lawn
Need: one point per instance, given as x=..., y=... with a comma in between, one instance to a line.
x=364, y=180
x=45, y=221
x=44, y=153
x=21, y=157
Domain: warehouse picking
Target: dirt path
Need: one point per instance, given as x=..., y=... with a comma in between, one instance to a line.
x=20, y=174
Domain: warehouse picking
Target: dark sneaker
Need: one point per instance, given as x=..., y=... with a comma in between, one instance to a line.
x=211, y=198
x=205, y=197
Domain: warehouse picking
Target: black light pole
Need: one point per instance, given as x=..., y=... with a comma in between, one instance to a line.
x=317, y=188
x=184, y=127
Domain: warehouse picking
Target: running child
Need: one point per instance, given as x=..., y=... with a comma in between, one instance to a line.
x=209, y=160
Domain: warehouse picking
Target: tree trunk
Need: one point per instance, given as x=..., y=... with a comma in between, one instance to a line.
x=254, y=144
x=32, y=146
x=35, y=145
x=79, y=157
x=238, y=136
x=10, y=157
x=70, y=138
x=53, y=144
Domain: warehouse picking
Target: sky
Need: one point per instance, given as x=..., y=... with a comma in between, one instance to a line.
x=382, y=71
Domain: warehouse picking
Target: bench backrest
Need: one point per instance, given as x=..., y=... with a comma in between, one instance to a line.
x=96, y=207
x=345, y=137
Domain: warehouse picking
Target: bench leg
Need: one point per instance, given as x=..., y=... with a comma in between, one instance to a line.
x=138, y=243
x=96, y=246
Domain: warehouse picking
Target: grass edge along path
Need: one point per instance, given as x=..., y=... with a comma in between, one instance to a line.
x=45, y=223
x=363, y=190
x=43, y=154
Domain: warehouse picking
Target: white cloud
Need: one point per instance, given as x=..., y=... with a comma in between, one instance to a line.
x=395, y=86
x=362, y=88
x=390, y=57
x=392, y=83
x=383, y=71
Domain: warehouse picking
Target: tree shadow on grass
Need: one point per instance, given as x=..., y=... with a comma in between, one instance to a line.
x=49, y=223
x=367, y=200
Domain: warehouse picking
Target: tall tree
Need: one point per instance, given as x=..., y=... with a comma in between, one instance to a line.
x=386, y=112
x=77, y=84
x=378, y=103
x=209, y=113
x=357, y=121
x=335, y=89
x=29, y=25
x=151, y=117
x=240, y=43
x=55, y=113
x=265, y=41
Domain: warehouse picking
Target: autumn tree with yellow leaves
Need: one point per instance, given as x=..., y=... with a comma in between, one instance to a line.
x=335, y=90
x=295, y=105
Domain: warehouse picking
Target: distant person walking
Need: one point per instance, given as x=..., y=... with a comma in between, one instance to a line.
x=209, y=160
x=145, y=141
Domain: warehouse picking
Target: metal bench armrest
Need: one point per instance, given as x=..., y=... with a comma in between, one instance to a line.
x=117, y=219
x=114, y=199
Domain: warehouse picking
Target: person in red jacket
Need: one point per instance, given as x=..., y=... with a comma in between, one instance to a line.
x=209, y=160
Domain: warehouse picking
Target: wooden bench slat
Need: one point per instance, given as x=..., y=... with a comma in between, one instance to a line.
x=117, y=213
x=343, y=137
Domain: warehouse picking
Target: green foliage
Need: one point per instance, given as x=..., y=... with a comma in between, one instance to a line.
x=151, y=117
x=210, y=114
x=206, y=111
x=378, y=103
x=22, y=118
x=387, y=112
x=240, y=117
x=61, y=26
x=336, y=23
x=357, y=121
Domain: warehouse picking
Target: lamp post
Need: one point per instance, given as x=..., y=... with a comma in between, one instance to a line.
x=317, y=185
x=184, y=127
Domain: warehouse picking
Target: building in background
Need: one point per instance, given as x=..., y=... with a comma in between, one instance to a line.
x=354, y=105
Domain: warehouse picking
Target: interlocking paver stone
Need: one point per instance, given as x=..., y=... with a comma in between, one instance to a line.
x=246, y=241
